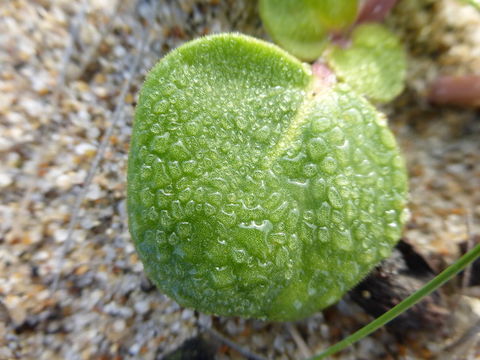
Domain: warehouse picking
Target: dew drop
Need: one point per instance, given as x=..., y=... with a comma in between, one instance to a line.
x=360, y=232
x=192, y=127
x=189, y=166
x=387, y=138
x=215, y=198
x=343, y=239
x=163, y=199
x=320, y=124
x=342, y=180
x=329, y=165
x=369, y=256
x=179, y=151
x=190, y=208
x=199, y=194
x=318, y=188
x=393, y=231
x=405, y=215
x=279, y=212
x=184, y=230
x=160, y=176
x=239, y=256
x=337, y=217
x=160, y=143
x=310, y=170
x=242, y=122
x=231, y=197
x=353, y=116
x=152, y=214
x=262, y=134
x=278, y=238
x=173, y=239
x=227, y=218
x=169, y=88
x=160, y=237
x=292, y=219
x=323, y=234
x=316, y=148
x=289, y=273
x=146, y=197
x=324, y=214
x=281, y=257
x=149, y=235
x=350, y=210
x=209, y=209
x=145, y=171
x=336, y=136
x=174, y=169
x=334, y=198
x=185, y=194
x=165, y=219
x=161, y=107
x=156, y=128
x=177, y=210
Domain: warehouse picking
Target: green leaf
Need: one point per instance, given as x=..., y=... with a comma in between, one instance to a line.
x=474, y=3
x=302, y=26
x=374, y=64
x=335, y=14
x=255, y=189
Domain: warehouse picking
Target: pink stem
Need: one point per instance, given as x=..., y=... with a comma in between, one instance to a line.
x=456, y=90
x=342, y=40
x=324, y=76
x=374, y=10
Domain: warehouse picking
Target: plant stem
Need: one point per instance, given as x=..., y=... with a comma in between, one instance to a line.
x=428, y=288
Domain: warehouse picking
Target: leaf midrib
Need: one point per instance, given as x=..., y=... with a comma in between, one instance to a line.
x=294, y=129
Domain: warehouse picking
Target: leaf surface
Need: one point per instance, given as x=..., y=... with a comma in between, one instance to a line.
x=374, y=64
x=255, y=190
x=302, y=26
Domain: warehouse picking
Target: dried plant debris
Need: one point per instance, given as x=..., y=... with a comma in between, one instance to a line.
x=103, y=307
x=403, y=273
x=195, y=348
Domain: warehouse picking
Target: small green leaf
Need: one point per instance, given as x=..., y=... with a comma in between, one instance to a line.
x=302, y=26
x=335, y=14
x=255, y=189
x=474, y=3
x=374, y=64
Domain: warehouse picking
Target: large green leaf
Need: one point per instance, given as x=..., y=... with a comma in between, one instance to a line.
x=302, y=26
x=374, y=64
x=255, y=189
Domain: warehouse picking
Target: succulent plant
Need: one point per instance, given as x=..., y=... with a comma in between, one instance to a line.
x=374, y=63
x=256, y=188
x=302, y=27
x=367, y=56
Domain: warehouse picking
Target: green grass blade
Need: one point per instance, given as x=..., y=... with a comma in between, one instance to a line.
x=431, y=286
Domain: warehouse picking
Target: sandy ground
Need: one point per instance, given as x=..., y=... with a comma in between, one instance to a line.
x=71, y=285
